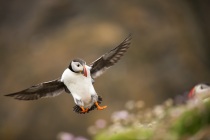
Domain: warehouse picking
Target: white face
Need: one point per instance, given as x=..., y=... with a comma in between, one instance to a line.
x=201, y=88
x=76, y=66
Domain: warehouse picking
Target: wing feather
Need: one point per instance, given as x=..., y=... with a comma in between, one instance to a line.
x=109, y=59
x=42, y=90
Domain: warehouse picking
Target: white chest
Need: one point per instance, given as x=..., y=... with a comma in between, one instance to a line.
x=80, y=86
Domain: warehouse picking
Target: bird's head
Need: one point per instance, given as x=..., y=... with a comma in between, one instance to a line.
x=78, y=66
x=198, y=89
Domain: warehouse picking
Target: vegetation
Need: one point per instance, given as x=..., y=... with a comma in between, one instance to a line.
x=169, y=54
x=164, y=122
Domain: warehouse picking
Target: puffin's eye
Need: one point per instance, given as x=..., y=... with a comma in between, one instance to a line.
x=78, y=65
x=202, y=87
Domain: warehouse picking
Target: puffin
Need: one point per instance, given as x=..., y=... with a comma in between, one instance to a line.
x=77, y=80
x=200, y=92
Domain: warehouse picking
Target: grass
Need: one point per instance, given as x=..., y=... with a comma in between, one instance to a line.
x=164, y=122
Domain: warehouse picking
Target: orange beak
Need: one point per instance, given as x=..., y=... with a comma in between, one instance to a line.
x=84, y=71
x=191, y=93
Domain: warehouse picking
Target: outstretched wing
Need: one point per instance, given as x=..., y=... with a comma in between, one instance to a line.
x=110, y=58
x=42, y=90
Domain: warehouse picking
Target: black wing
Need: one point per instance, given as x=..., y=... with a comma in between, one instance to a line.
x=108, y=59
x=46, y=89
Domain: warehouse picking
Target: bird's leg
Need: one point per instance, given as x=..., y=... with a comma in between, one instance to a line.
x=83, y=109
x=80, y=103
x=94, y=98
x=100, y=107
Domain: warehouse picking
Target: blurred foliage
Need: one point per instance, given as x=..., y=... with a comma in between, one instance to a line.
x=187, y=121
x=169, y=54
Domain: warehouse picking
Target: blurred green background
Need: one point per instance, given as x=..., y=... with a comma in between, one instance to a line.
x=169, y=54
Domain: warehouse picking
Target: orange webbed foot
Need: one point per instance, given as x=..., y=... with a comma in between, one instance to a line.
x=100, y=107
x=84, y=110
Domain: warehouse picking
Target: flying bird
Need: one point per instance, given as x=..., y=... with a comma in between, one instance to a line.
x=77, y=80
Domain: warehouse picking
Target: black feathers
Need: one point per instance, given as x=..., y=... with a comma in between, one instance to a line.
x=46, y=89
x=110, y=58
